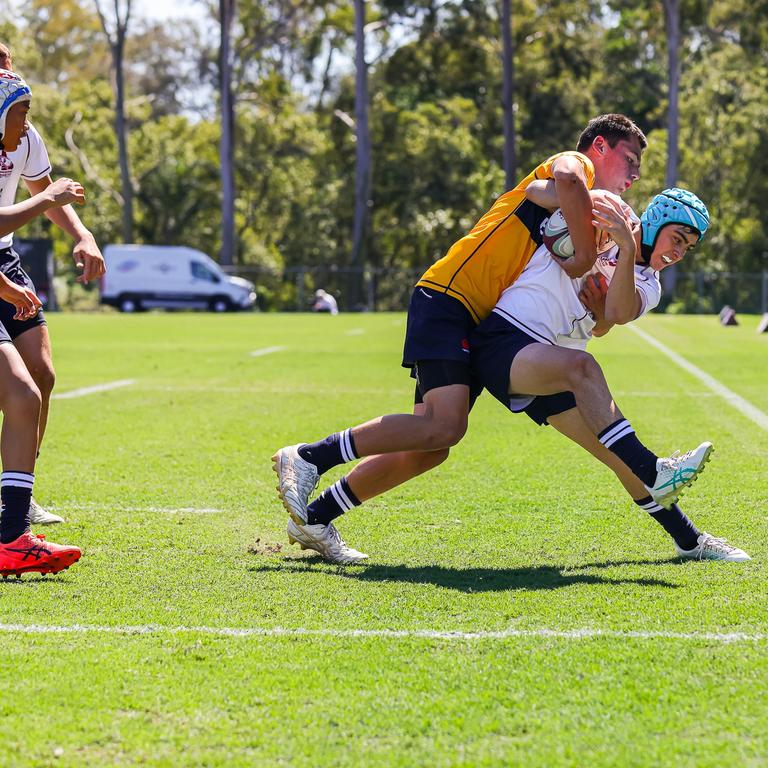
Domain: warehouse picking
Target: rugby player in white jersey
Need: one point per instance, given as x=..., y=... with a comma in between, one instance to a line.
x=529, y=353
x=29, y=162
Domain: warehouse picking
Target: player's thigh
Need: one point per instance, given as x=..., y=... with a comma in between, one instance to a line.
x=17, y=387
x=545, y=369
x=34, y=346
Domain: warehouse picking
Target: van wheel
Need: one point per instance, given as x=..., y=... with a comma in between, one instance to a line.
x=129, y=304
x=220, y=304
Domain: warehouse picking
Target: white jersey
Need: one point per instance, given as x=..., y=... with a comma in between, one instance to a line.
x=544, y=301
x=28, y=161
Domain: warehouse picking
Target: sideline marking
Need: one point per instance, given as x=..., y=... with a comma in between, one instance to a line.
x=83, y=391
x=135, y=508
x=266, y=351
x=737, y=401
x=355, y=332
x=395, y=634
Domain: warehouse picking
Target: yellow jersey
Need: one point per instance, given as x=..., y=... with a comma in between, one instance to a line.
x=490, y=258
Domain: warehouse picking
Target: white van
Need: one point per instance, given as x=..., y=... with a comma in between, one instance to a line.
x=171, y=277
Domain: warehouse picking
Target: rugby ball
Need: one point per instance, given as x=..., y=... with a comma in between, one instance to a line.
x=556, y=237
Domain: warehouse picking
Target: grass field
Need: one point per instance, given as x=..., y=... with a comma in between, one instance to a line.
x=190, y=634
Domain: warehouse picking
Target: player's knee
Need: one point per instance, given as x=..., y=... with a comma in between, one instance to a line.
x=45, y=378
x=445, y=434
x=582, y=367
x=23, y=399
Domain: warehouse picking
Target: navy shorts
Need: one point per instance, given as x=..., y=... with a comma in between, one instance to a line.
x=10, y=266
x=495, y=344
x=438, y=328
x=437, y=343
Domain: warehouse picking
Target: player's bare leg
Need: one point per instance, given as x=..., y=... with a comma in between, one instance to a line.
x=689, y=541
x=439, y=424
x=34, y=346
x=375, y=475
x=545, y=369
x=20, y=550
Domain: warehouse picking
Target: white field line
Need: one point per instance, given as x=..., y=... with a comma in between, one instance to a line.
x=133, y=508
x=393, y=634
x=95, y=389
x=739, y=403
x=266, y=351
x=355, y=332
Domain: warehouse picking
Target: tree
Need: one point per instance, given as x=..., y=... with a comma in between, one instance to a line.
x=116, y=31
x=363, y=153
x=508, y=94
x=227, y=9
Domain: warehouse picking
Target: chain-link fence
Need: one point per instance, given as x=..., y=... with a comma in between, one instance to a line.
x=379, y=289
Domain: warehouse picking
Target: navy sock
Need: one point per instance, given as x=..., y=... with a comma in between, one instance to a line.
x=15, y=493
x=674, y=521
x=337, y=448
x=333, y=502
x=620, y=438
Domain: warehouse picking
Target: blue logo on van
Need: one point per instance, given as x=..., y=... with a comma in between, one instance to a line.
x=127, y=266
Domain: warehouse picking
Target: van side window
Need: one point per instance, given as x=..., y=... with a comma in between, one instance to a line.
x=201, y=272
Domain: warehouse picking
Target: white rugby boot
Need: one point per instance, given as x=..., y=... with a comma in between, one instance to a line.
x=677, y=472
x=40, y=516
x=712, y=548
x=298, y=478
x=325, y=540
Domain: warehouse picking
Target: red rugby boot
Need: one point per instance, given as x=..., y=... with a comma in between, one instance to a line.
x=33, y=554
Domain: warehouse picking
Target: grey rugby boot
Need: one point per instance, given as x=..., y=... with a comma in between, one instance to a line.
x=712, y=548
x=298, y=478
x=40, y=516
x=326, y=541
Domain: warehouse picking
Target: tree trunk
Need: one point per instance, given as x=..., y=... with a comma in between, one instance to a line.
x=226, y=145
x=121, y=129
x=507, y=97
x=672, y=23
x=363, y=159
x=116, y=35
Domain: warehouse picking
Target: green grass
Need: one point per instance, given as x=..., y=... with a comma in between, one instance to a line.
x=168, y=488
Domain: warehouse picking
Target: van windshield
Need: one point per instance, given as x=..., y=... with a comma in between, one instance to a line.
x=201, y=272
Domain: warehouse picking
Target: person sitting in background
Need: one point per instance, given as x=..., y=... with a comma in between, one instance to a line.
x=324, y=302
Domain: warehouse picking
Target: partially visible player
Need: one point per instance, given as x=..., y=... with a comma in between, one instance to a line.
x=20, y=400
x=529, y=352
x=29, y=161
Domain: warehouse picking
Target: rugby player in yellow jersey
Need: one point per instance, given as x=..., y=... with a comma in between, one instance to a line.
x=451, y=298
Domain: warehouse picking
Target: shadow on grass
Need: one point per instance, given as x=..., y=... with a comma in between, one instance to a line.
x=476, y=579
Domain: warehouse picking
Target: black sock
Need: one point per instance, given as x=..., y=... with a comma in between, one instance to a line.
x=620, y=438
x=337, y=448
x=15, y=492
x=333, y=502
x=674, y=521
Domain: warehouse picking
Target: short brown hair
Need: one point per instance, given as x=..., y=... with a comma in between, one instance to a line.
x=613, y=128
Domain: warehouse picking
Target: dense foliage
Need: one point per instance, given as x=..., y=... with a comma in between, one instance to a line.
x=435, y=116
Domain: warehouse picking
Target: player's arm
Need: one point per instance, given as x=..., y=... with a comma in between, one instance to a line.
x=26, y=302
x=623, y=302
x=61, y=192
x=576, y=205
x=86, y=252
x=592, y=296
x=542, y=192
